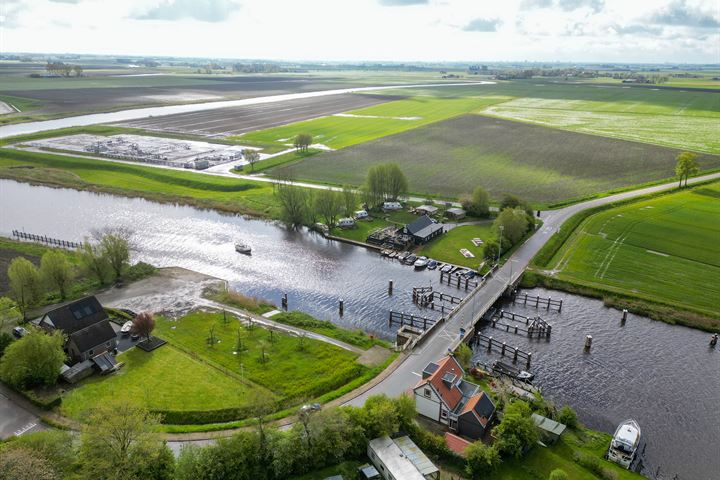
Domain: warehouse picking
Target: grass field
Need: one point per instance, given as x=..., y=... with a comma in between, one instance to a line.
x=664, y=250
x=165, y=379
x=374, y=122
x=289, y=372
x=446, y=248
x=455, y=156
x=222, y=193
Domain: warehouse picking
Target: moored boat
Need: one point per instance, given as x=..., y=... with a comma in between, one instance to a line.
x=243, y=248
x=410, y=259
x=625, y=443
x=421, y=262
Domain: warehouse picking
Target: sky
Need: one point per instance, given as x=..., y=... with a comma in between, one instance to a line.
x=650, y=31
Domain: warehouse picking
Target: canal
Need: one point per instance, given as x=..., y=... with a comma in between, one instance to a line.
x=664, y=376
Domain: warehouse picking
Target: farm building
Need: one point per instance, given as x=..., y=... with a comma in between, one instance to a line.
x=445, y=397
x=400, y=458
x=426, y=210
x=549, y=429
x=423, y=230
x=86, y=328
x=455, y=213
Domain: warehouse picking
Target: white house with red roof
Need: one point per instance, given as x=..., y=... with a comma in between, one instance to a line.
x=444, y=396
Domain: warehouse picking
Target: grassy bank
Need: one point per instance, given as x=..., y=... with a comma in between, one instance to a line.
x=329, y=329
x=446, y=248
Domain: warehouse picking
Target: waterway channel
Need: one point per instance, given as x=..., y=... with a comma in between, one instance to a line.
x=664, y=376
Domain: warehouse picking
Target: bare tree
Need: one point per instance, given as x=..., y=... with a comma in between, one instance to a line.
x=144, y=324
x=328, y=204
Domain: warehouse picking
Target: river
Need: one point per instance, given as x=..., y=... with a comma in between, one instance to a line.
x=664, y=376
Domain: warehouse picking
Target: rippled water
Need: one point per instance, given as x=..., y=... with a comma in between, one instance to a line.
x=315, y=272
x=664, y=376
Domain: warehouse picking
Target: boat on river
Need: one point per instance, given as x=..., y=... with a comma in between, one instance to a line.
x=421, y=263
x=243, y=248
x=624, y=445
x=513, y=372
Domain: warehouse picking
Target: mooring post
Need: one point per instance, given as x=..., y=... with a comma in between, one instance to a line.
x=342, y=307
x=537, y=301
x=390, y=287
x=490, y=340
x=515, y=355
x=529, y=359
x=624, y=317
x=588, y=342
x=549, y=329
x=549, y=300
x=503, y=349
x=560, y=307
x=285, y=301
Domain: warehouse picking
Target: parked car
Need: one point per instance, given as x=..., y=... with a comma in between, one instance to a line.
x=310, y=407
x=19, y=332
x=125, y=329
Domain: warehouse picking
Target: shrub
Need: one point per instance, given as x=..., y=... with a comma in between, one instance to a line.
x=593, y=464
x=138, y=271
x=481, y=459
x=33, y=360
x=568, y=416
x=516, y=433
x=237, y=299
x=558, y=474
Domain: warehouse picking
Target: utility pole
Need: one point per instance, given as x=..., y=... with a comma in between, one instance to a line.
x=502, y=227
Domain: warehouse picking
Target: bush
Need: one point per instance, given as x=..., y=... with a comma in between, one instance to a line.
x=481, y=459
x=139, y=271
x=5, y=340
x=558, y=474
x=516, y=433
x=593, y=464
x=237, y=299
x=568, y=416
x=33, y=360
x=45, y=402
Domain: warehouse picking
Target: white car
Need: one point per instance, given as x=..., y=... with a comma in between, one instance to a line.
x=125, y=329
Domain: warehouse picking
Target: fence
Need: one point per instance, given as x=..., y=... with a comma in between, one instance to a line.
x=45, y=239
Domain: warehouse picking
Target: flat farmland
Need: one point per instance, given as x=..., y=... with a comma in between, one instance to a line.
x=543, y=165
x=238, y=120
x=366, y=124
x=664, y=249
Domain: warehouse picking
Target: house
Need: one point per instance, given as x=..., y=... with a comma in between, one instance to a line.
x=400, y=458
x=426, y=210
x=455, y=213
x=550, y=430
x=445, y=397
x=86, y=328
x=423, y=230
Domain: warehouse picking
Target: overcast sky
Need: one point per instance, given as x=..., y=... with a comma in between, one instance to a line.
x=400, y=30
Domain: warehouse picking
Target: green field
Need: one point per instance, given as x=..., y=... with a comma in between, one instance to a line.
x=542, y=165
x=165, y=379
x=446, y=248
x=374, y=122
x=222, y=193
x=664, y=250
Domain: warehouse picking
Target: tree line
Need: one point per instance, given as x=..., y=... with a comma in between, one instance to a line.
x=63, y=69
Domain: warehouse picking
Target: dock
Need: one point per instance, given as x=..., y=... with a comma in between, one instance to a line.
x=427, y=297
x=491, y=344
x=530, y=326
x=537, y=301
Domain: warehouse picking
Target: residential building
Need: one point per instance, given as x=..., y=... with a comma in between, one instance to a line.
x=445, y=397
x=455, y=213
x=426, y=209
x=423, y=230
x=86, y=328
x=400, y=459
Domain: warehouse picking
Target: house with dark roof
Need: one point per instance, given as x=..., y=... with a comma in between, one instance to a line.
x=423, y=230
x=86, y=327
x=445, y=397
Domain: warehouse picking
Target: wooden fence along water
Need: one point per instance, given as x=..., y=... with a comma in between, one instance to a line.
x=530, y=326
x=458, y=280
x=427, y=297
x=45, y=239
x=537, y=301
x=402, y=318
x=495, y=345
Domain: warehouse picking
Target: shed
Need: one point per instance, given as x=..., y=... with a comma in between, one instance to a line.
x=427, y=209
x=368, y=472
x=455, y=213
x=401, y=458
x=423, y=230
x=550, y=429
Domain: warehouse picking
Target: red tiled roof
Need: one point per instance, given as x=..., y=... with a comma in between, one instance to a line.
x=451, y=396
x=470, y=407
x=455, y=443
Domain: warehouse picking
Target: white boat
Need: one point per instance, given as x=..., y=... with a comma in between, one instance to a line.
x=243, y=248
x=625, y=443
x=125, y=329
x=421, y=262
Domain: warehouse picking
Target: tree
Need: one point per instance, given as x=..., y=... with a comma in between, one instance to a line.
x=35, y=359
x=558, y=474
x=251, y=156
x=395, y=182
x=94, y=261
x=350, y=201
x=378, y=417
x=477, y=204
x=118, y=441
x=78, y=70
x=517, y=431
x=116, y=249
x=481, y=459
x=568, y=416
x=513, y=201
x=294, y=204
x=464, y=355
x=24, y=283
x=374, y=189
x=9, y=312
x=302, y=141
x=25, y=464
x=514, y=223
x=144, y=324
x=686, y=165
x=405, y=408
x=54, y=446
x=56, y=272
x=328, y=204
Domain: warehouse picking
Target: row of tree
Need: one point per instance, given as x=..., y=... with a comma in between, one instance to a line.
x=63, y=69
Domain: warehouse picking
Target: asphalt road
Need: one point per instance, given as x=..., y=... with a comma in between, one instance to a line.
x=14, y=419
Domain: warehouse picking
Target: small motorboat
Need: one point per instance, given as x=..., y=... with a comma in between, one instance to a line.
x=393, y=254
x=243, y=248
x=512, y=371
x=625, y=443
x=402, y=256
x=125, y=329
x=410, y=259
x=432, y=264
x=421, y=263
x=386, y=253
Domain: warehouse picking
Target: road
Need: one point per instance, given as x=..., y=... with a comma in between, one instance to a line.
x=16, y=418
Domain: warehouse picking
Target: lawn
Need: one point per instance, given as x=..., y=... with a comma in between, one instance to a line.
x=664, y=250
x=374, y=122
x=543, y=165
x=222, y=193
x=329, y=329
x=165, y=379
x=446, y=248
x=289, y=371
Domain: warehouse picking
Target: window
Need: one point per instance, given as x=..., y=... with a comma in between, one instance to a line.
x=108, y=344
x=443, y=414
x=90, y=352
x=427, y=392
